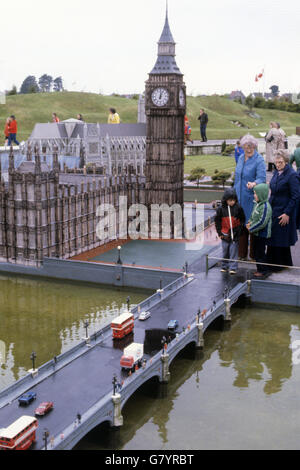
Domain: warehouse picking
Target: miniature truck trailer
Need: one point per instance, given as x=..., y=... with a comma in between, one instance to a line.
x=132, y=356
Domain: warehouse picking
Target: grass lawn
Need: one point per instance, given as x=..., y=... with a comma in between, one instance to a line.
x=221, y=112
x=38, y=107
x=209, y=162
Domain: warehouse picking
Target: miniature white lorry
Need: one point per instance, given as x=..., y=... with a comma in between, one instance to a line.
x=132, y=355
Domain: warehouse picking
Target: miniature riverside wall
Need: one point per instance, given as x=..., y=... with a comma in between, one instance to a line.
x=97, y=273
x=277, y=293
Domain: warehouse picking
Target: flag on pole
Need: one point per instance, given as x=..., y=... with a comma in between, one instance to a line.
x=259, y=75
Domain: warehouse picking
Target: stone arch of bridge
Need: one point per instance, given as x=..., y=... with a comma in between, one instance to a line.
x=216, y=323
x=190, y=344
x=90, y=426
x=137, y=386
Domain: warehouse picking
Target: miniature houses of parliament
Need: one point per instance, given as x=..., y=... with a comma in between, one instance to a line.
x=45, y=212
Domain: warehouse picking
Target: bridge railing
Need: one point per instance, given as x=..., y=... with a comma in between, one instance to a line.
x=216, y=259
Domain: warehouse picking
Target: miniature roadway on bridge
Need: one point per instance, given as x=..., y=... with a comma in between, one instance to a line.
x=81, y=383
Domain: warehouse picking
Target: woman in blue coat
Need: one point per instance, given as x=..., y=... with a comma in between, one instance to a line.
x=250, y=171
x=298, y=216
x=285, y=197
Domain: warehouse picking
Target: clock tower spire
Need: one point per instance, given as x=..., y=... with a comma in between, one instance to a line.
x=166, y=52
x=165, y=107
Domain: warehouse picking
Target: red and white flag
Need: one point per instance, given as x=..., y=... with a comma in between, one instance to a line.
x=259, y=76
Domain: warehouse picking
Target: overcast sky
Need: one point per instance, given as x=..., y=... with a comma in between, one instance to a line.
x=111, y=46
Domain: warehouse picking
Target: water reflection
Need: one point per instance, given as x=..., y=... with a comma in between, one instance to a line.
x=259, y=350
x=48, y=317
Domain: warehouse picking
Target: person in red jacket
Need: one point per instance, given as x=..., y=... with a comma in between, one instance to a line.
x=55, y=118
x=6, y=131
x=187, y=130
x=13, y=129
x=229, y=220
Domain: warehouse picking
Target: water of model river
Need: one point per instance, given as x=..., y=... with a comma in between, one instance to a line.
x=48, y=318
x=243, y=394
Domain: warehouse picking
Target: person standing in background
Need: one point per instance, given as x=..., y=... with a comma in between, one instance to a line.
x=282, y=142
x=238, y=151
x=113, y=117
x=55, y=118
x=273, y=137
x=13, y=129
x=203, y=118
x=187, y=130
x=6, y=131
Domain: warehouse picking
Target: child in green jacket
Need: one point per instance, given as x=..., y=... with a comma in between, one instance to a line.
x=260, y=224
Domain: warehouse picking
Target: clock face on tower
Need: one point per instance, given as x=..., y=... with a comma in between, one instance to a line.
x=181, y=97
x=160, y=96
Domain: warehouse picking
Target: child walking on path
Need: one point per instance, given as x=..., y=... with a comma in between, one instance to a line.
x=260, y=225
x=229, y=221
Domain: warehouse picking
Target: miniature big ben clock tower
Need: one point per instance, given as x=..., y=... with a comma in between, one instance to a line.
x=165, y=106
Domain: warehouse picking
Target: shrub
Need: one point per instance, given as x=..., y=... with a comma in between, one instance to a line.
x=221, y=177
x=228, y=150
x=196, y=174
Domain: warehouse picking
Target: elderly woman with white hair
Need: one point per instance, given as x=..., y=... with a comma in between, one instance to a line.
x=284, y=200
x=250, y=171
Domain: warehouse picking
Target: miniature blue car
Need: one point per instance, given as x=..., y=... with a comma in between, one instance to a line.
x=173, y=324
x=27, y=398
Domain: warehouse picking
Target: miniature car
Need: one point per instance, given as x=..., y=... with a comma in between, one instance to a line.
x=144, y=315
x=44, y=408
x=173, y=324
x=27, y=398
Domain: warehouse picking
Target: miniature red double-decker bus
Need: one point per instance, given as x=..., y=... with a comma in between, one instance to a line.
x=19, y=435
x=122, y=325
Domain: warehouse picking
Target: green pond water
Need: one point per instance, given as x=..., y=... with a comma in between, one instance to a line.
x=48, y=317
x=243, y=394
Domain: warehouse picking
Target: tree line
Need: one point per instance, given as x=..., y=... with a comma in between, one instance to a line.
x=276, y=103
x=45, y=84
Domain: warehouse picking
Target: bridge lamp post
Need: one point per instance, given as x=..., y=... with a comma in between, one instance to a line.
x=33, y=357
x=86, y=325
x=185, y=268
x=160, y=290
x=119, y=261
x=45, y=437
x=114, y=382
